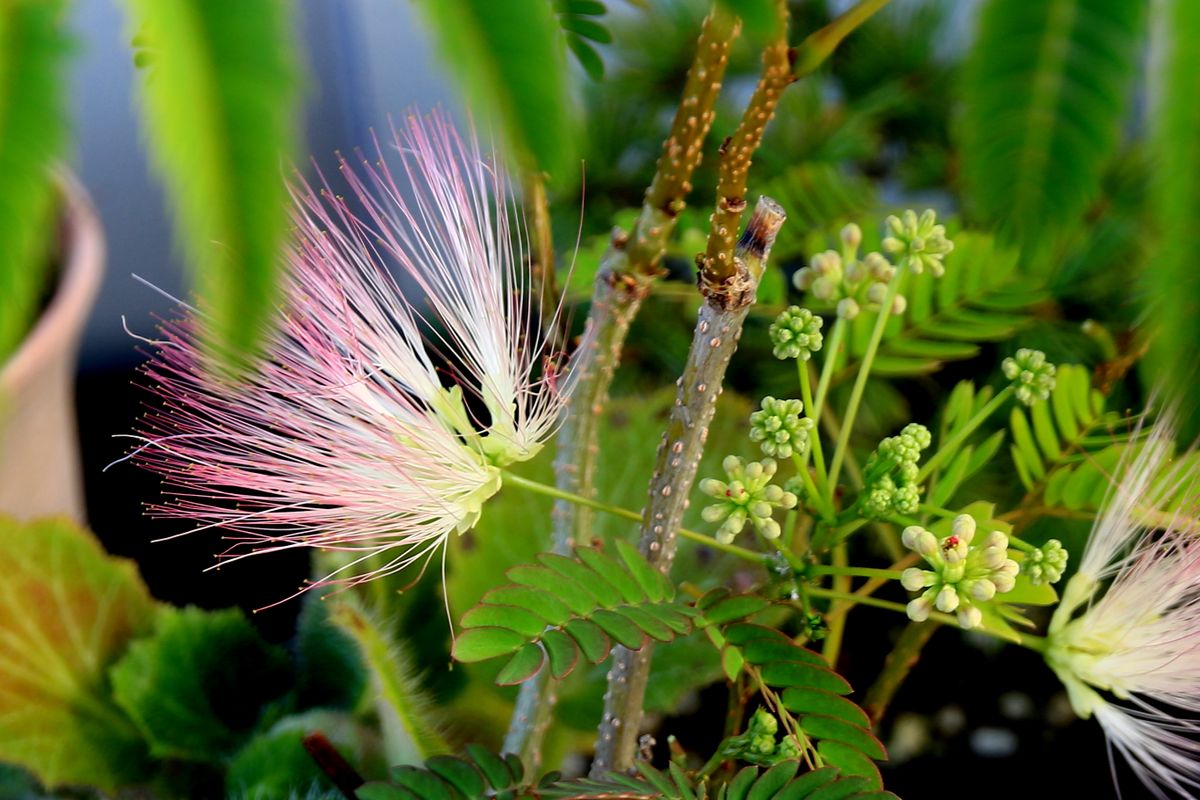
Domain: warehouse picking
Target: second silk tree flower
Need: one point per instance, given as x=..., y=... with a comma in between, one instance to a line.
x=374, y=423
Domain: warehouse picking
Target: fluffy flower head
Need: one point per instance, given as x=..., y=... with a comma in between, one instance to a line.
x=346, y=436
x=1128, y=626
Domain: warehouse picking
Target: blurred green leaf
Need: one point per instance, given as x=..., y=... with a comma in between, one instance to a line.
x=219, y=98
x=1045, y=92
x=510, y=58
x=275, y=764
x=198, y=685
x=67, y=612
x=33, y=54
x=1172, y=278
x=329, y=670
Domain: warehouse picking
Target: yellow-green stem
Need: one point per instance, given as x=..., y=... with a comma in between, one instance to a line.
x=860, y=382
x=633, y=516
x=951, y=445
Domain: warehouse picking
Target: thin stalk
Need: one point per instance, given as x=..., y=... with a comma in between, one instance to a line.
x=951, y=445
x=831, y=648
x=860, y=382
x=713, y=343
x=896, y=667
x=1037, y=643
x=854, y=572
x=818, y=46
x=541, y=244
x=627, y=271
x=814, y=438
x=634, y=516
x=833, y=345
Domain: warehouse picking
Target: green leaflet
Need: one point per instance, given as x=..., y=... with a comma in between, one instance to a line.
x=609, y=601
x=1045, y=92
x=1059, y=448
x=33, y=54
x=219, y=99
x=578, y=21
x=67, y=612
x=811, y=693
x=510, y=58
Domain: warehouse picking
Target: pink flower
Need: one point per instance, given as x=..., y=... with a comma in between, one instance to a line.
x=346, y=436
x=1137, y=638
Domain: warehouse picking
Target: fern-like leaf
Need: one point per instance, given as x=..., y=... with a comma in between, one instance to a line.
x=962, y=406
x=583, y=32
x=1045, y=90
x=982, y=297
x=806, y=691
x=564, y=610
x=480, y=773
x=33, y=52
x=219, y=97
x=1052, y=439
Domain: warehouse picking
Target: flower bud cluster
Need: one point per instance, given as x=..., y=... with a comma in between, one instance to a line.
x=748, y=496
x=779, y=428
x=847, y=282
x=758, y=745
x=796, y=333
x=961, y=576
x=1031, y=374
x=1045, y=564
x=891, y=473
x=918, y=243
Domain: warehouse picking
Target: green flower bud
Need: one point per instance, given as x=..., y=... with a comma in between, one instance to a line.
x=918, y=243
x=779, y=427
x=1046, y=564
x=796, y=333
x=1031, y=374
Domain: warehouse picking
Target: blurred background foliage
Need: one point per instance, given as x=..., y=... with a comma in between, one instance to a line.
x=1061, y=139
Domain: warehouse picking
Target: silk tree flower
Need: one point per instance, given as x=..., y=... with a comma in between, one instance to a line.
x=345, y=436
x=1125, y=640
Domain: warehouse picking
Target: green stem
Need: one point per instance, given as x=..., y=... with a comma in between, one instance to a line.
x=831, y=353
x=820, y=44
x=854, y=572
x=860, y=382
x=896, y=668
x=814, y=437
x=1037, y=643
x=625, y=513
x=832, y=646
x=951, y=445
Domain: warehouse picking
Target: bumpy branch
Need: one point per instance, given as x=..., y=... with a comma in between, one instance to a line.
x=718, y=271
x=713, y=343
x=627, y=270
